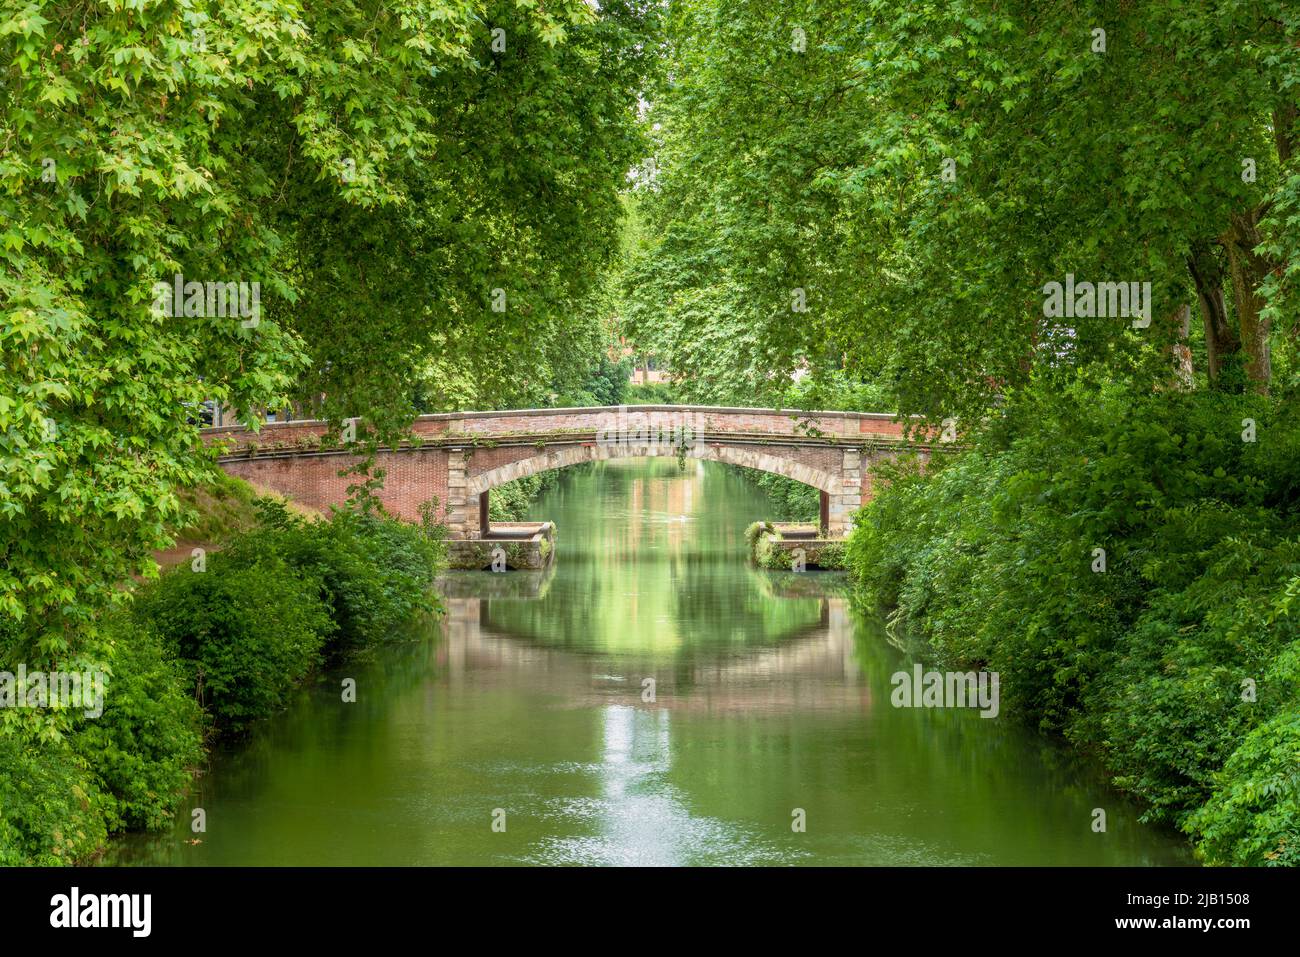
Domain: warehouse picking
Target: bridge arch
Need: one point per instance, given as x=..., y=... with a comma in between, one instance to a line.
x=456, y=457
x=576, y=455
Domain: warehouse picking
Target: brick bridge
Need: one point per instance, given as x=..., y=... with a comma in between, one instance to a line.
x=460, y=457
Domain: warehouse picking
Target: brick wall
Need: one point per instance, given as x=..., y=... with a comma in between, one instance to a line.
x=412, y=478
x=289, y=459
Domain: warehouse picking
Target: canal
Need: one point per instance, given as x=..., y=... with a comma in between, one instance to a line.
x=650, y=699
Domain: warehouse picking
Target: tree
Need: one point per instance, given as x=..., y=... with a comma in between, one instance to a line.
x=493, y=259
x=889, y=187
x=146, y=142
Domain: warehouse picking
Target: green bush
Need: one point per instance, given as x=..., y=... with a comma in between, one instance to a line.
x=375, y=573
x=69, y=779
x=246, y=634
x=50, y=809
x=1253, y=814
x=832, y=556
x=755, y=532
x=142, y=750
x=993, y=560
x=1253, y=817
x=761, y=550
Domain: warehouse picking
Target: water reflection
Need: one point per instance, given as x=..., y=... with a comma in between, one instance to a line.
x=770, y=697
x=810, y=667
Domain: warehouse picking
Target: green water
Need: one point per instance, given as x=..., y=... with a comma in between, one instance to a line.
x=525, y=706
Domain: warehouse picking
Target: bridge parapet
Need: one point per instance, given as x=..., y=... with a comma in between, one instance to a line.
x=447, y=427
x=459, y=457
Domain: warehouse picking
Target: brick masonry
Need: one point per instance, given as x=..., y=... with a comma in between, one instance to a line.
x=458, y=456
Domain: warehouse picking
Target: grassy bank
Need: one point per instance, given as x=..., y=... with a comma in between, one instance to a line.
x=214, y=645
x=1130, y=566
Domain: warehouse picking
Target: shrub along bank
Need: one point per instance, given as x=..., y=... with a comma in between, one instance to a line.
x=1130, y=566
x=510, y=502
x=791, y=501
x=198, y=655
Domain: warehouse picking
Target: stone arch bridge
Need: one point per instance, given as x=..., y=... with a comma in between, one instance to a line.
x=460, y=457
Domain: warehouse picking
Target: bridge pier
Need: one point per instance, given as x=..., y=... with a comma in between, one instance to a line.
x=455, y=507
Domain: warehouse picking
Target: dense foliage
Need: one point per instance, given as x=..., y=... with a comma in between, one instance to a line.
x=378, y=169
x=247, y=633
x=141, y=751
x=486, y=296
x=370, y=573
x=206, y=651
x=49, y=810
x=125, y=768
x=882, y=191
x=1129, y=566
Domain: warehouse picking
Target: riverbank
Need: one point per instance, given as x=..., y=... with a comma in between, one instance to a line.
x=212, y=647
x=651, y=699
x=1130, y=567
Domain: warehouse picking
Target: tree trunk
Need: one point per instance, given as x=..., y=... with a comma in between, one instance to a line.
x=1180, y=353
x=1247, y=270
x=1284, y=121
x=1222, y=344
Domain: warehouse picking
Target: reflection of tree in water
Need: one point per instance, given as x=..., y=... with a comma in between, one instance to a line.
x=651, y=562
x=536, y=704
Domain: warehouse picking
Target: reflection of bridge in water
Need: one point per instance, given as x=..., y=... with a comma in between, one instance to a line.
x=805, y=671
